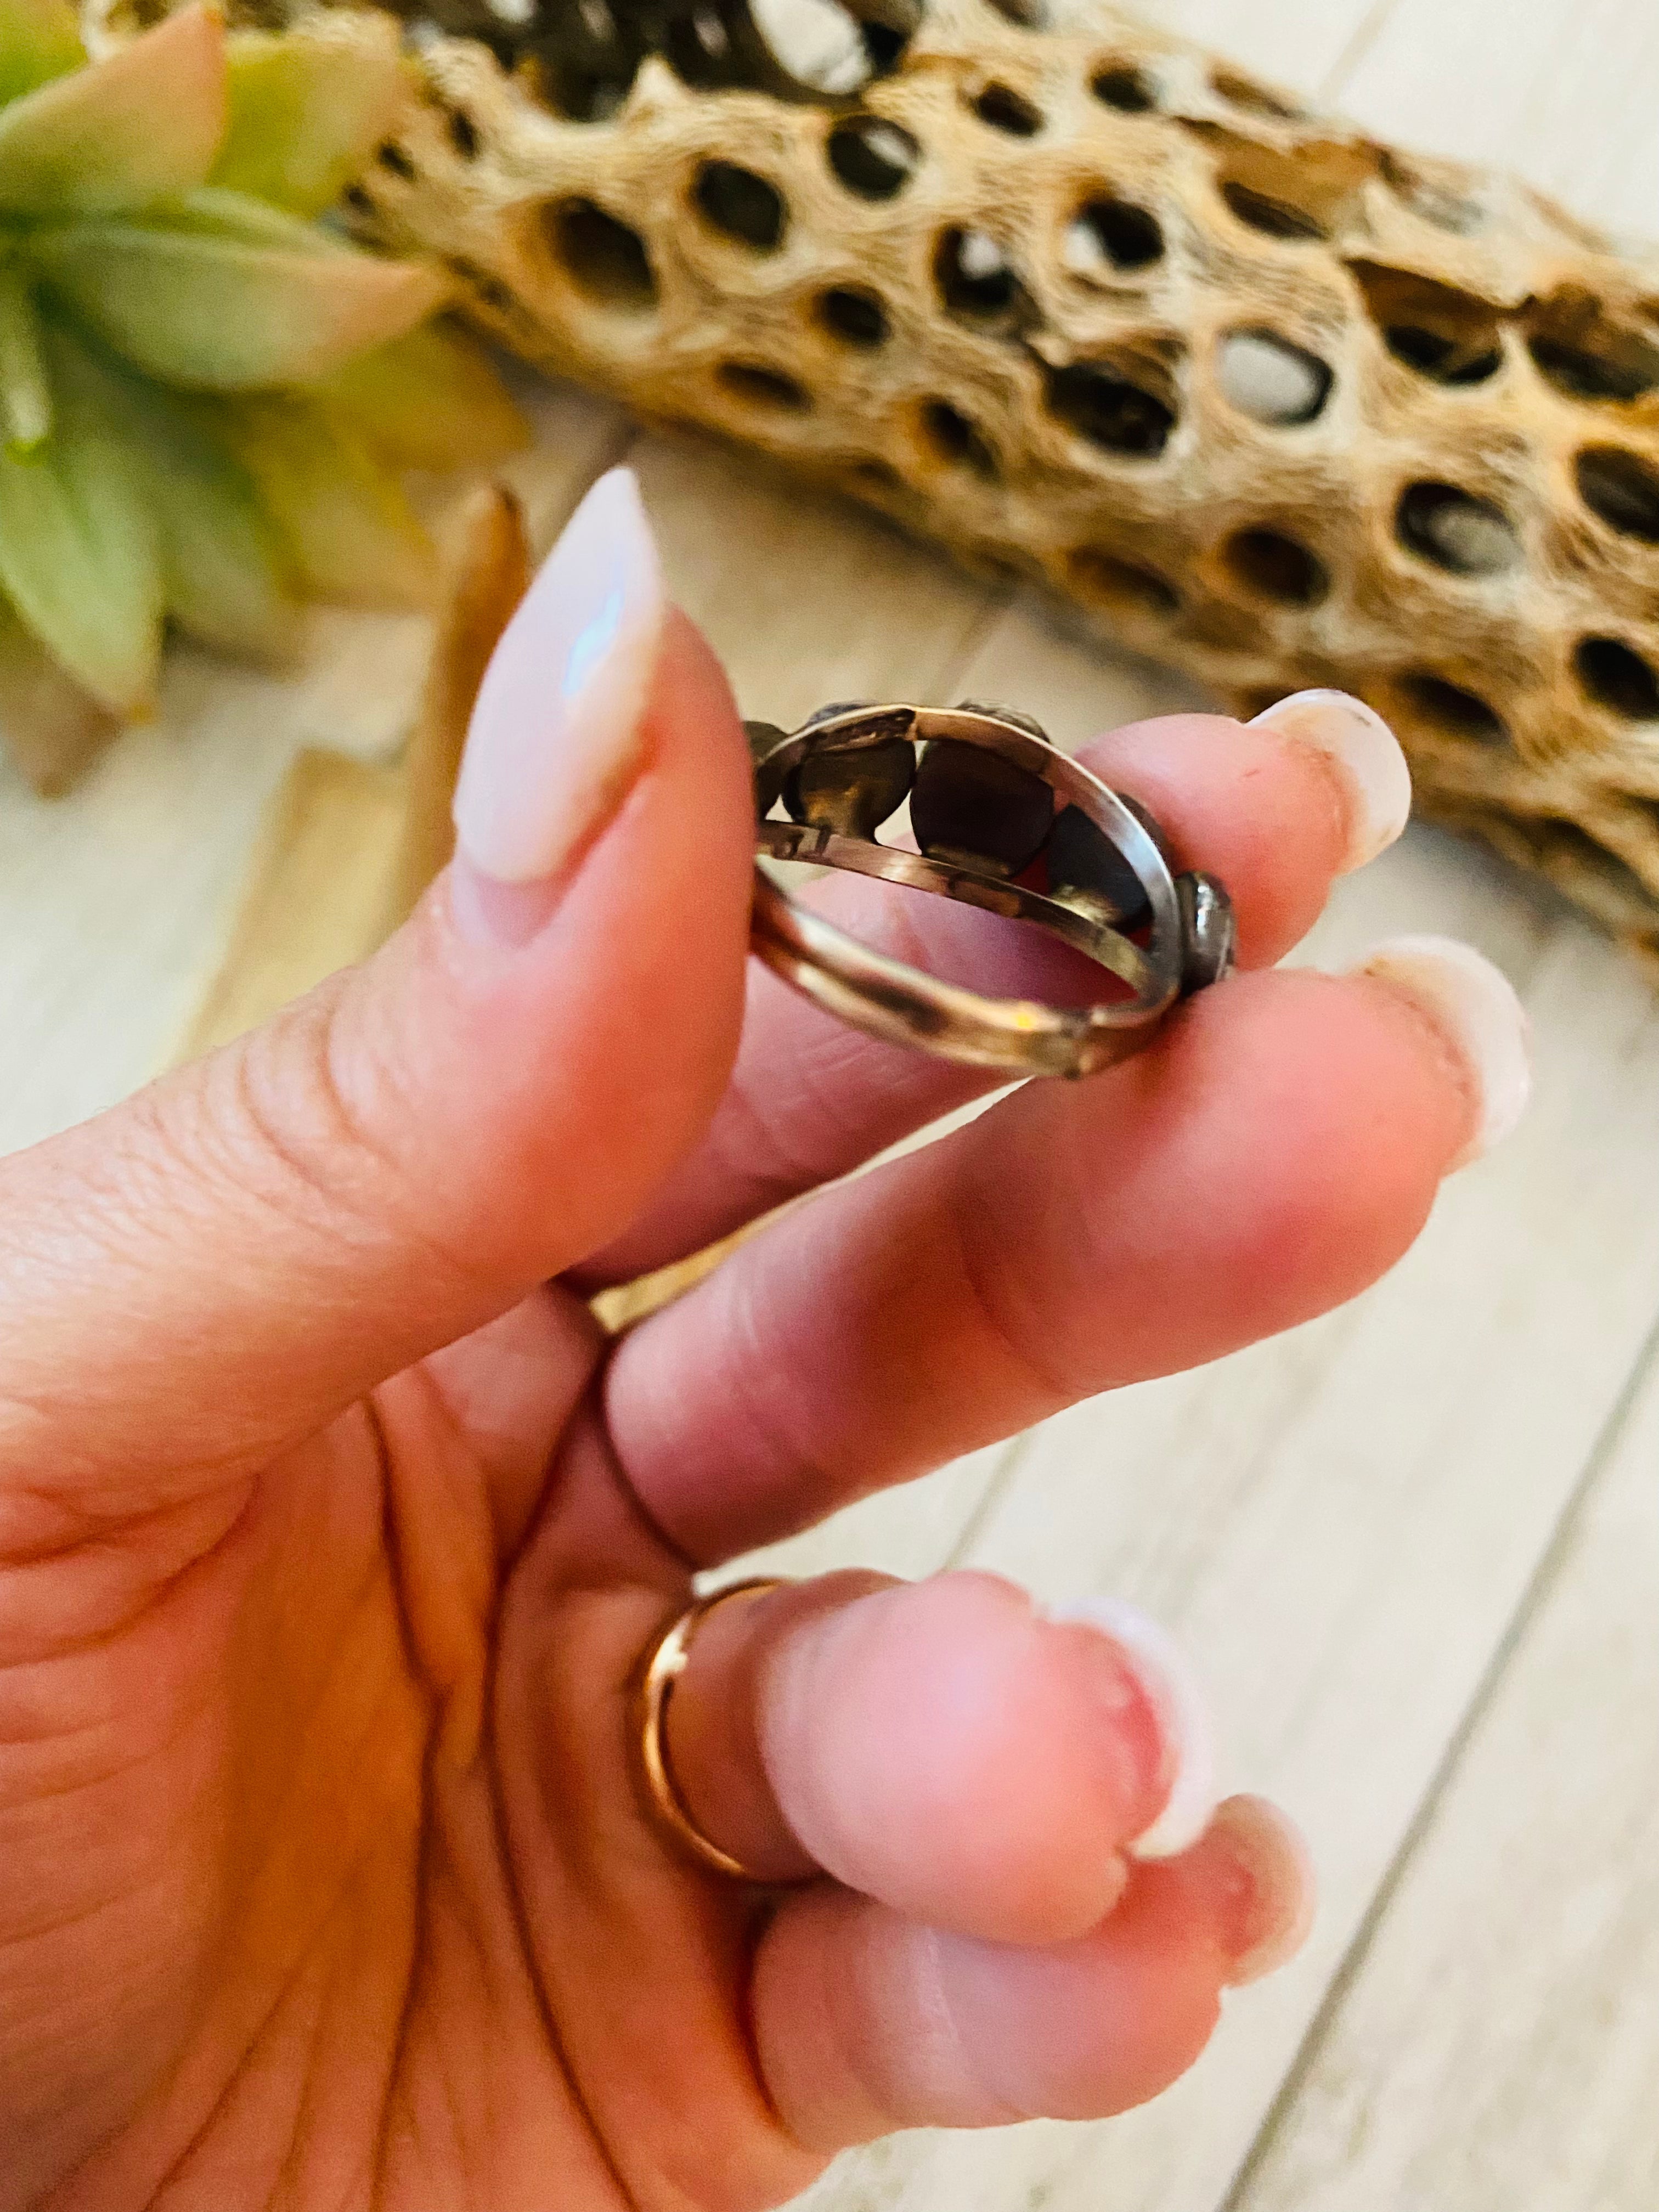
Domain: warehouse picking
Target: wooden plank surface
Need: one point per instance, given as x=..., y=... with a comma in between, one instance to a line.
x=1500, y=2044
x=1357, y=1529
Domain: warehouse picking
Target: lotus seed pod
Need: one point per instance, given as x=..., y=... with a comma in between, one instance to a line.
x=1271, y=401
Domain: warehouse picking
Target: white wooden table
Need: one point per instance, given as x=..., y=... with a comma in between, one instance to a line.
x=1416, y=1547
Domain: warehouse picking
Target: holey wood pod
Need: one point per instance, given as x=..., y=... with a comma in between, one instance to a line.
x=1273, y=402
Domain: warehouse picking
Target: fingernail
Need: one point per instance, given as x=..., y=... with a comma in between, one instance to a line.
x=1186, y=1786
x=556, y=735
x=1475, y=1010
x=1364, y=757
x=1267, y=1895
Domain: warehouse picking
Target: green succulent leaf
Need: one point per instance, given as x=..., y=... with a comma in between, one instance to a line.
x=216, y=313
x=25, y=394
x=308, y=110
x=432, y=400
x=40, y=39
x=144, y=121
x=227, y=578
x=211, y=211
x=353, y=535
x=80, y=551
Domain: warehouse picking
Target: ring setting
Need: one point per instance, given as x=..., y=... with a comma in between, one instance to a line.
x=1002, y=820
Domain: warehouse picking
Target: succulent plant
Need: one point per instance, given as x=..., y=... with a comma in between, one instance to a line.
x=207, y=398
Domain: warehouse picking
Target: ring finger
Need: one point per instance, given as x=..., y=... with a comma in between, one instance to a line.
x=941, y=1746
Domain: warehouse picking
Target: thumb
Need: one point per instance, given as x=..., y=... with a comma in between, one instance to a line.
x=218, y=1266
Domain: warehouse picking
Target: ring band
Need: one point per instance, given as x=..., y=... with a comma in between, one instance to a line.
x=665, y=1663
x=1005, y=821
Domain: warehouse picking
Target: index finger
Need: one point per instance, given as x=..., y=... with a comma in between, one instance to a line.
x=1277, y=808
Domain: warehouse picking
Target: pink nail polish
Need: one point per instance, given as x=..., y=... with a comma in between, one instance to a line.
x=557, y=733
x=1188, y=1783
x=1267, y=1895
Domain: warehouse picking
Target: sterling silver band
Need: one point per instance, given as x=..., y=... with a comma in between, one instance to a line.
x=1005, y=821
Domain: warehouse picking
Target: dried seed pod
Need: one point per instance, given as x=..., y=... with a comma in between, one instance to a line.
x=1273, y=402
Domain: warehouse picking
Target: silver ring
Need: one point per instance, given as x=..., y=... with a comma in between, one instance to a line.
x=1003, y=821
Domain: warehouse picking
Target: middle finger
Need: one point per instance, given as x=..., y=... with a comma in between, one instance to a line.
x=1277, y=809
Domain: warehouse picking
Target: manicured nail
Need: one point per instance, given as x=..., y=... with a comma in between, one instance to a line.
x=1267, y=1895
x=557, y=734
x=1187, y=1784
x=1364, y=757
x=1483, y=1025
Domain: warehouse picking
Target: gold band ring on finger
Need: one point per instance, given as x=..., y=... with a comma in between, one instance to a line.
x=666, y=1660
x=1004, y=821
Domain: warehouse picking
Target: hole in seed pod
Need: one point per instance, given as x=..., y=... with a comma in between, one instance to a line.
x=606, y=259
x=1276, y=218
x=1622, y=489
x=816, y=42
x=1029, y=15
x=968, y=804
x=757, y=386
x=977, y=279
x=1433, y=354
x=1312, y=193
x=1450, y=711
x=873, y=157
x=742, y=206
x=1466, y=536
x=1584, y=375
x=877, y=476
x=1102, y=406
x=392, y=157
x=1254, y=99
x=1005, y=109
x=1128, y=586
x=1271, y=565
x=1123, y=86
x=1451, y=336
x=955, y=439
x=463, y=134
x=1109, y=234
x=1588, y=353
x=1617, y=679
x=359, y=201
x=1272, y=380
x=858, y=318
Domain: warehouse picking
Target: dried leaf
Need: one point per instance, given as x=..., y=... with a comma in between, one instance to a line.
x=50, y=727
x=145, y=121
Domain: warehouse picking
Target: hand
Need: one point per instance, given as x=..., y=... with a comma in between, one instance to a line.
x=332, y=1529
